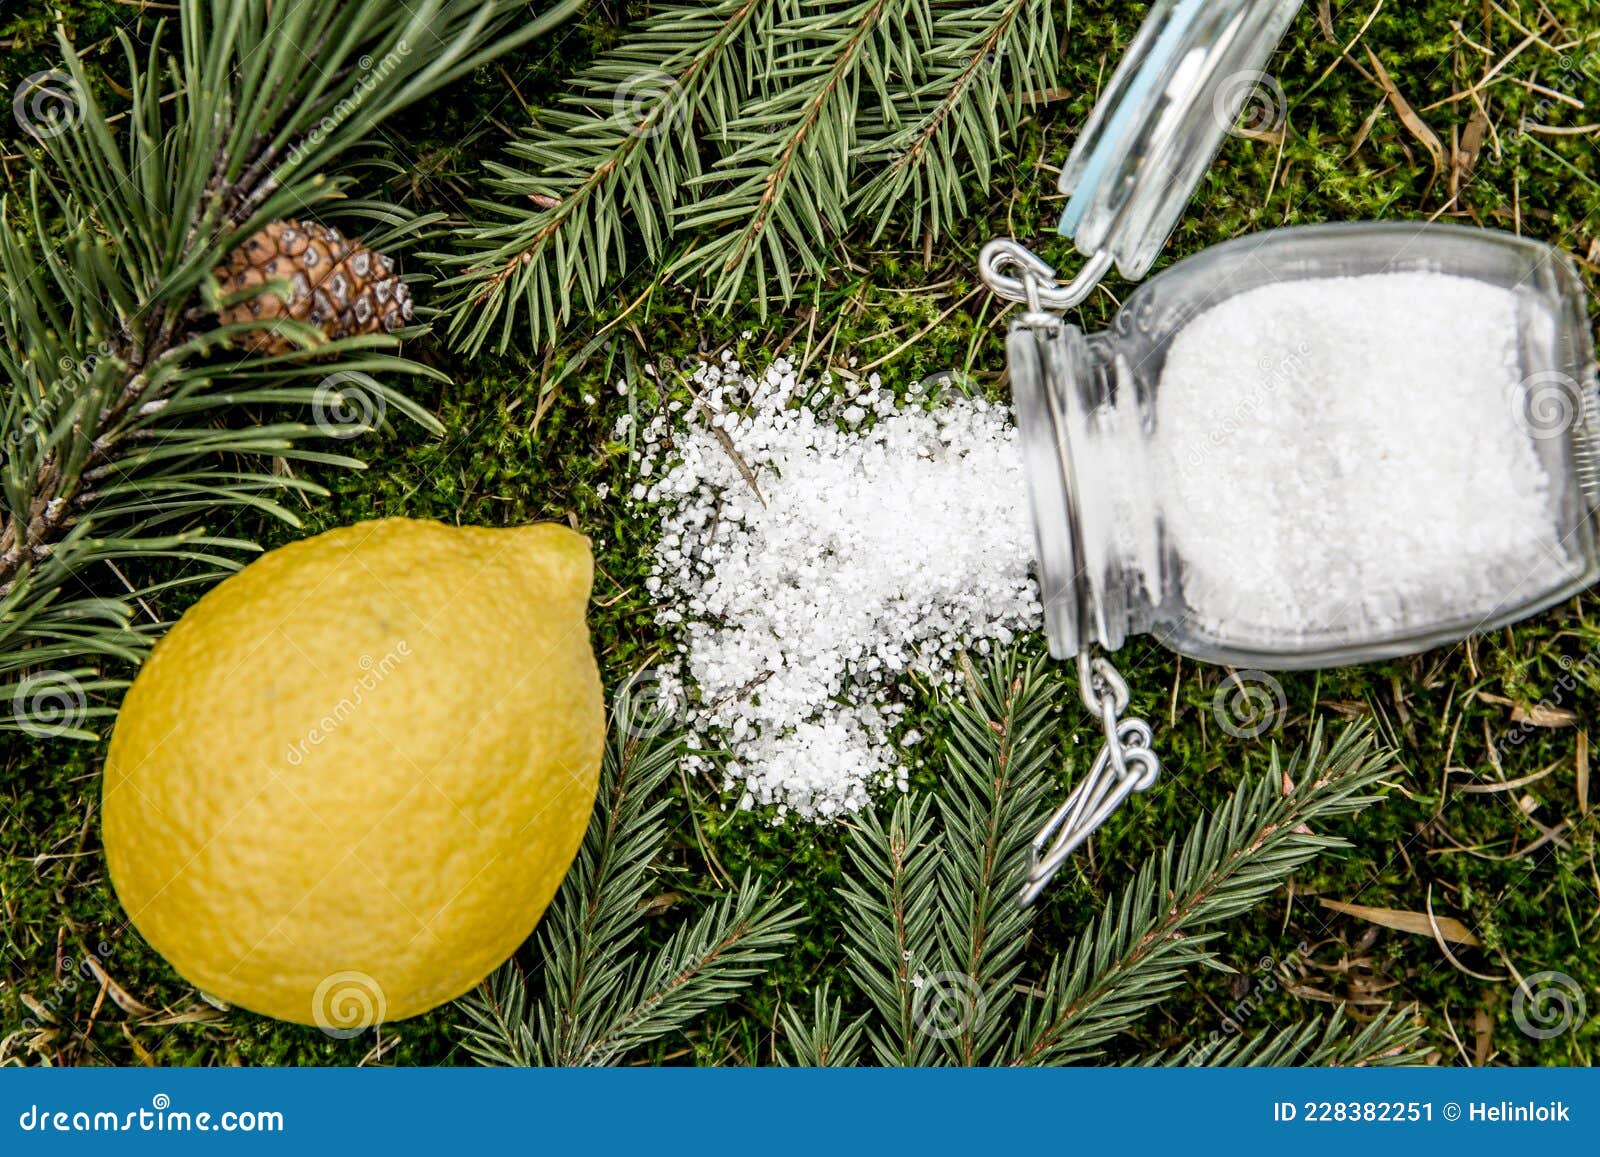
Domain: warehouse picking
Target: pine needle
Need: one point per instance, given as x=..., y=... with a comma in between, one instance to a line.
x=942, y=959
x=135, y=429
x=597, y=994
x=733, y=145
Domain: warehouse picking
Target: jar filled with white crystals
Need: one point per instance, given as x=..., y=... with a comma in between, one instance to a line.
x=1316, y=446
x=1307, y=447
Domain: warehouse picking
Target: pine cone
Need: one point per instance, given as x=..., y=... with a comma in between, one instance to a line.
x=340, y=286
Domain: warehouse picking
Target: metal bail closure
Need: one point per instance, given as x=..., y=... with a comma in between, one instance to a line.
x=1125, y=764
x=1034, y=284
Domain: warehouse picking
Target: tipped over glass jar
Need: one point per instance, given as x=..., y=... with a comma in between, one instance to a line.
x=1308, y=447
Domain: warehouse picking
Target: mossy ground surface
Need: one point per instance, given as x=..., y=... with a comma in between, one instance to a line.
x=1517, y=864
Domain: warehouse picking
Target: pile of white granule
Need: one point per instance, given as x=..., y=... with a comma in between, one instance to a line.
x=823, y=547
x=1343, y=457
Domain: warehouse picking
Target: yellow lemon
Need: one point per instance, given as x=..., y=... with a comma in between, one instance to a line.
x=347, y=783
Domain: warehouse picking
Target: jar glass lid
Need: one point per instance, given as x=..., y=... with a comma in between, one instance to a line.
x=1175, y=97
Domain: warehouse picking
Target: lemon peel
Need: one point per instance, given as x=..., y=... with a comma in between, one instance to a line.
x=346, y=784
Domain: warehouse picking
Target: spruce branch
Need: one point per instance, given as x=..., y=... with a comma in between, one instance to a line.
x=706, y=963
x=891, y=905
x=1389, y=1038
x=826, y=1041
x=131, y=417
x=621, y=149
x=945, y=964
x=998, y=757
x=785, y=186
x=985, y=63
x=770, y=128
x=1162, y=923
x=597, y=994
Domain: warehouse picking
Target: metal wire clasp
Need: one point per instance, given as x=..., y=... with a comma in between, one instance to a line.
x=1035, y=283
x=1125, y=764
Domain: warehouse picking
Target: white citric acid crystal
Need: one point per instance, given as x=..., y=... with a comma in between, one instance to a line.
x=885, y=538
x=1343, y=457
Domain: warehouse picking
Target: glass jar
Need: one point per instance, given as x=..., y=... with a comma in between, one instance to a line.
x=1149, y=520
x=1308, y=447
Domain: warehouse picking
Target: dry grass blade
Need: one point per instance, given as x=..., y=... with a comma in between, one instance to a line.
x=1439, y=938
x=1583, y=773
x=1468, y=149
x=734, y=456
x=119, y=995
x=1539, y=715
x=1419, y=923
x=1482, y=1036
x=1508, y=785
x=1410, y=118
x=1562, y=130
